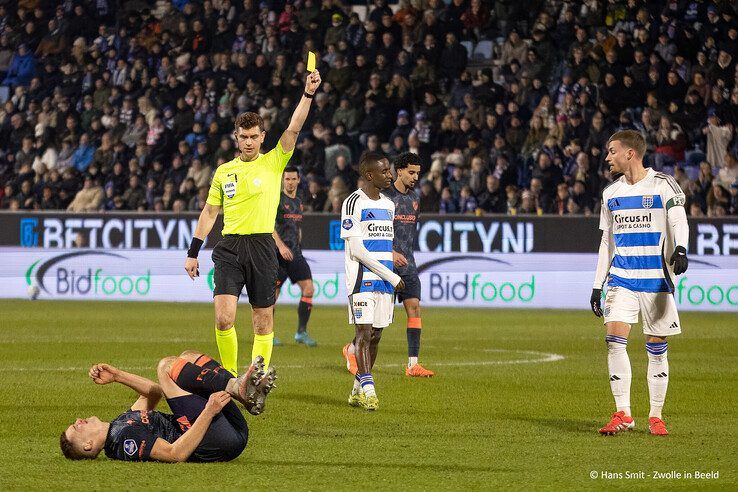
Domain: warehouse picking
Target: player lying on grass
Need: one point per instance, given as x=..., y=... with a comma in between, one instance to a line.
x=205, y=425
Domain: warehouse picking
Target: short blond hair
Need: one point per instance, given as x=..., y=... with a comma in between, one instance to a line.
x=630, y=139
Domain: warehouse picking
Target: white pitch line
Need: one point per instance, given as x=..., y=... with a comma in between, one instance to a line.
x=540, y=357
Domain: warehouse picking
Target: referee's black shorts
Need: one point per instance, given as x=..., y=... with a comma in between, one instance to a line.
x=250, y=261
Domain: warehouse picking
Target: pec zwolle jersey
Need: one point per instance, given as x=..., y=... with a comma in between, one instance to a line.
x=371, y=220
x=636, y=216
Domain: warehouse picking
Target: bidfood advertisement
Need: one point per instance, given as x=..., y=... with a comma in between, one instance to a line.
x=534, y=280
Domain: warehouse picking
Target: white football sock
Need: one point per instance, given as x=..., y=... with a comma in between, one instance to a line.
x=658, y=376
x=367, y=384
x=618, y=365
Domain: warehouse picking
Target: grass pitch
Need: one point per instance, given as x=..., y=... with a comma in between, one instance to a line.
x=517, y=401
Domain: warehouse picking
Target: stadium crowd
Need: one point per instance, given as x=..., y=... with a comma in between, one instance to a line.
x=129, y=105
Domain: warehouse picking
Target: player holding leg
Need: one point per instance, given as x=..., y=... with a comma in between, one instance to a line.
x=205, y=425
x=366, y=226
x=644, y=244
x=288, y=236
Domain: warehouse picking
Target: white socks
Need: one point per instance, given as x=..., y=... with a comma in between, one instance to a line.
x=658, y=376
x=618, y=365
x=367, y=384
x=357, y=386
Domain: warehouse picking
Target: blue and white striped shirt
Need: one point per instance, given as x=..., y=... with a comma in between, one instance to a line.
x=372, y=220
x=635, y=217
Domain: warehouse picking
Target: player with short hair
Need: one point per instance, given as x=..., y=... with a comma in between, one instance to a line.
x=643, y=224
x=405, y=198
x=248, y=189
x=288, y=236
x=366, y=227
x=205, y=425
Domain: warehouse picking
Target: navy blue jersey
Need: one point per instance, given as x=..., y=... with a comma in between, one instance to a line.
x=133, y=433
x=289, y=220
x=405, y=224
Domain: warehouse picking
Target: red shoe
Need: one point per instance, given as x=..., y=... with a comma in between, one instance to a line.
x=350, y=360
x=418, y=371
x=619, y=422
x=657, y=427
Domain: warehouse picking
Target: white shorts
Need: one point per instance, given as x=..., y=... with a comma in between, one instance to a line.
x=658, y=309
x=371, y=308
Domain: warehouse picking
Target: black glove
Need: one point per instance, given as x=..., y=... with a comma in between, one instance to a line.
x=679, y=260
x=595, y=301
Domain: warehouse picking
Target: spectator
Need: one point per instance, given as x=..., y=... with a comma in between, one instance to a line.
x=316, y=197
x=88, y=199
x=134, y=197
x=337, y=193
x=84, y=154
x=22, y=68
x=448, y=204
x=467, y=201
x=718, y=137
x=198, y=201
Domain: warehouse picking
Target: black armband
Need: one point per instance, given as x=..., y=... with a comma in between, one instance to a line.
x=195, y=246
x=309, y=96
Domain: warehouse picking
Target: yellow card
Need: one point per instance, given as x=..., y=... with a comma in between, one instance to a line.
x=311, y=62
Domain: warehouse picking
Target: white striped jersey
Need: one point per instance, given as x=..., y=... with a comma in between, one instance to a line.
x=372, y=221
x=635, y=217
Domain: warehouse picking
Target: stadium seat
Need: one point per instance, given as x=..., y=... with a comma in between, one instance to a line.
x=483, y=50
x=469, y=48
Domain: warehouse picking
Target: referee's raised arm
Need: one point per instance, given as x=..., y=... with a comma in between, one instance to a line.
x=289, y=137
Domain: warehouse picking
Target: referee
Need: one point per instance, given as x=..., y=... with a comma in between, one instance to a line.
x=247, y=189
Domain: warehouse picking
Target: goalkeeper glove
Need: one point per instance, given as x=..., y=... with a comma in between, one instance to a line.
x=595, y=301
x=679, y=260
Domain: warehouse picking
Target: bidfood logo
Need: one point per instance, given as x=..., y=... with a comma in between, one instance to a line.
x=480, y=288
x=94, y=276
x=476, y=287
x=697, y=294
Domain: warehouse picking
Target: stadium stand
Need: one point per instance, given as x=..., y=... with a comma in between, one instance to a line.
x=129, y=105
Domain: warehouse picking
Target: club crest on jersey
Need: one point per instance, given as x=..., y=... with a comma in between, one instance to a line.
x=647, y=201
x=130, y=447
x=415, y=206
x=229, y=189
x=347, y=224
x=357, y=312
